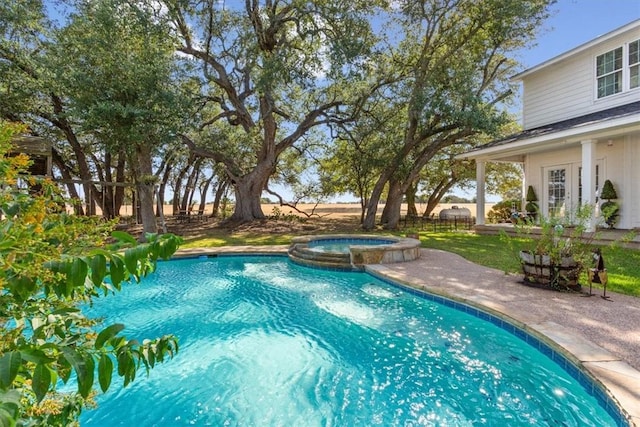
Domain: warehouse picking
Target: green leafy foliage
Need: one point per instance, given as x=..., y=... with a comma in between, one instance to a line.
x=501, y=211
x=608, y=191
x=50, y=262
x=610, y=210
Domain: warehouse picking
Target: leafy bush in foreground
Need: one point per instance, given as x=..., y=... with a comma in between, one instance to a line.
x=50, y=263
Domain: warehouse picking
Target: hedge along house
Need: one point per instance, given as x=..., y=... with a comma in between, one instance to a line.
x=581, y=120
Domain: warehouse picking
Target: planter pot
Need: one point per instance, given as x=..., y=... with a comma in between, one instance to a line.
x=540, y=271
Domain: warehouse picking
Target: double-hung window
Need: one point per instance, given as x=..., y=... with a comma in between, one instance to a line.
x=634, y=64
x=609, y=72
x=618, y=70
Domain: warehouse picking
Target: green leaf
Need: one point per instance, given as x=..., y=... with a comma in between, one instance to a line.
x=64, y=369
x=124, y=237
x=66, y=310
x=22, y=287
x=35, y=355
x=7, y=416
x=78, y=272
x=124, y=362
x=11, y=209
x=9, y=405
x=131, y=260
x=85, y=381
x=98, y=269
x=84, y=367
x=107, y=333
x=116, y=270
x=9, y=367
x=105, y=372
x=41, y=381
x=168, y=248
x=57, y=266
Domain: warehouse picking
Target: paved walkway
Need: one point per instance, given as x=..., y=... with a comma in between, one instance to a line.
x=603, y=335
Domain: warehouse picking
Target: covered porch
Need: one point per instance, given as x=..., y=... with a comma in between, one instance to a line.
x=567, y=162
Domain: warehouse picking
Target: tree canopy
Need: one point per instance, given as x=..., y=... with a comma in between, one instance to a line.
x=375, y=90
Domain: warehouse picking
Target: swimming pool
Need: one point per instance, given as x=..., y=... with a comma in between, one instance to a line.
x=265, y=342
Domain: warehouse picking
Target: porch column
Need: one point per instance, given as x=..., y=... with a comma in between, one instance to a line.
x=480, y=186
x=589, y=179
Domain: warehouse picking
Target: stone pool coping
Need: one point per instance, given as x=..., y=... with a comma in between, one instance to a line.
x=602, y=336
x=401, y=249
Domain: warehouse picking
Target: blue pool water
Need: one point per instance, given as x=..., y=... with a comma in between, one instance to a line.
x=265, y=342
x=342, y=245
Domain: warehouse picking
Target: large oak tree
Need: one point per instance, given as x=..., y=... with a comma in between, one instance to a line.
x=271, y=71
x=452, y=68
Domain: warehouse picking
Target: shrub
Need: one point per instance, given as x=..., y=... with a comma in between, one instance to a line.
x=531, y=206
x=50, y=263
x=501, y=211
x=610, y=210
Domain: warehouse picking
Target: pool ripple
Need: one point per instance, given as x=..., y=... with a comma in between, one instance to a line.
x=274, y=344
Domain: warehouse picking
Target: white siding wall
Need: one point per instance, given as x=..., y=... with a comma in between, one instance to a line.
x=630, y=193
x=567, y=89
x=625, y=151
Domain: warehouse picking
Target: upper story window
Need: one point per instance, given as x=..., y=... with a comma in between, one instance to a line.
x=634, y=64
x=618, y=70
x=609, y=72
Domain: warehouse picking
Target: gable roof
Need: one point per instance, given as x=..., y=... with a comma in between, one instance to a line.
x=600, y=39
x=569, y=124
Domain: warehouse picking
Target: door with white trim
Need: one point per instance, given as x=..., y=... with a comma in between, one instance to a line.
x=557, y=187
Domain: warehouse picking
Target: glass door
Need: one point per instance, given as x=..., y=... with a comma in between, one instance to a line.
x=558, y=190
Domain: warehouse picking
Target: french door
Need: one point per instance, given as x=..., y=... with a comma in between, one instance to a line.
x=563, y=189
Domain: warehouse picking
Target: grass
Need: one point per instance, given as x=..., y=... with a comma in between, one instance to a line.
x=213, y=240
x=623, y=265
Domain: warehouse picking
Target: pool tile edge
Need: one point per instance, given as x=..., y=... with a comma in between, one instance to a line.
x=622, y=384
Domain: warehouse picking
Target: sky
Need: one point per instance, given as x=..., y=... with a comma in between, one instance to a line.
x=575, y=22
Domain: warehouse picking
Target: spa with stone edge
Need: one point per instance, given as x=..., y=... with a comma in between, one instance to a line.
x=352, y=251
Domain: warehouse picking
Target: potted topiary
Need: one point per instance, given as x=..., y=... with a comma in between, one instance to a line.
x=531, y=207
x=610, y=210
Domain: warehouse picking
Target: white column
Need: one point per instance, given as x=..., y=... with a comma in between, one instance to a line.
x=480, y=185
x=589, y=178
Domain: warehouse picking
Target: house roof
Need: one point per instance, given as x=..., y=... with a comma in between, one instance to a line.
x=620, y=115
x=630, y=26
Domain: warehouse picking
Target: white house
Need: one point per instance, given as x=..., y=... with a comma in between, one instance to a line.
x=581, y=120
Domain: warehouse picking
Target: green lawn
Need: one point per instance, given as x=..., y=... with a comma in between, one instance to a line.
x=623, y=265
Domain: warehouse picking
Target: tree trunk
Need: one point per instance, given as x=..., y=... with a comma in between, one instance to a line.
x=204, y=189
x=372, y=206
x=144, y=185
x=392, y=208
x=71, y=188
x=432, y=202
x=410, y=194
x=220, y=192
x=248, y=190
x=177, y=188
x=168, y=167
x=438, y=193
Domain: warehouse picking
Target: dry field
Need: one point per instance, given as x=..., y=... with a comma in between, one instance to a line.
x=322, y=218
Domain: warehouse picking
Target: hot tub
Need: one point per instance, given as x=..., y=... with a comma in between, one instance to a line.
x=352, y=251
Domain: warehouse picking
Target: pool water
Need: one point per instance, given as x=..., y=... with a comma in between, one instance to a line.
x=265, y=342
x=342, y=245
